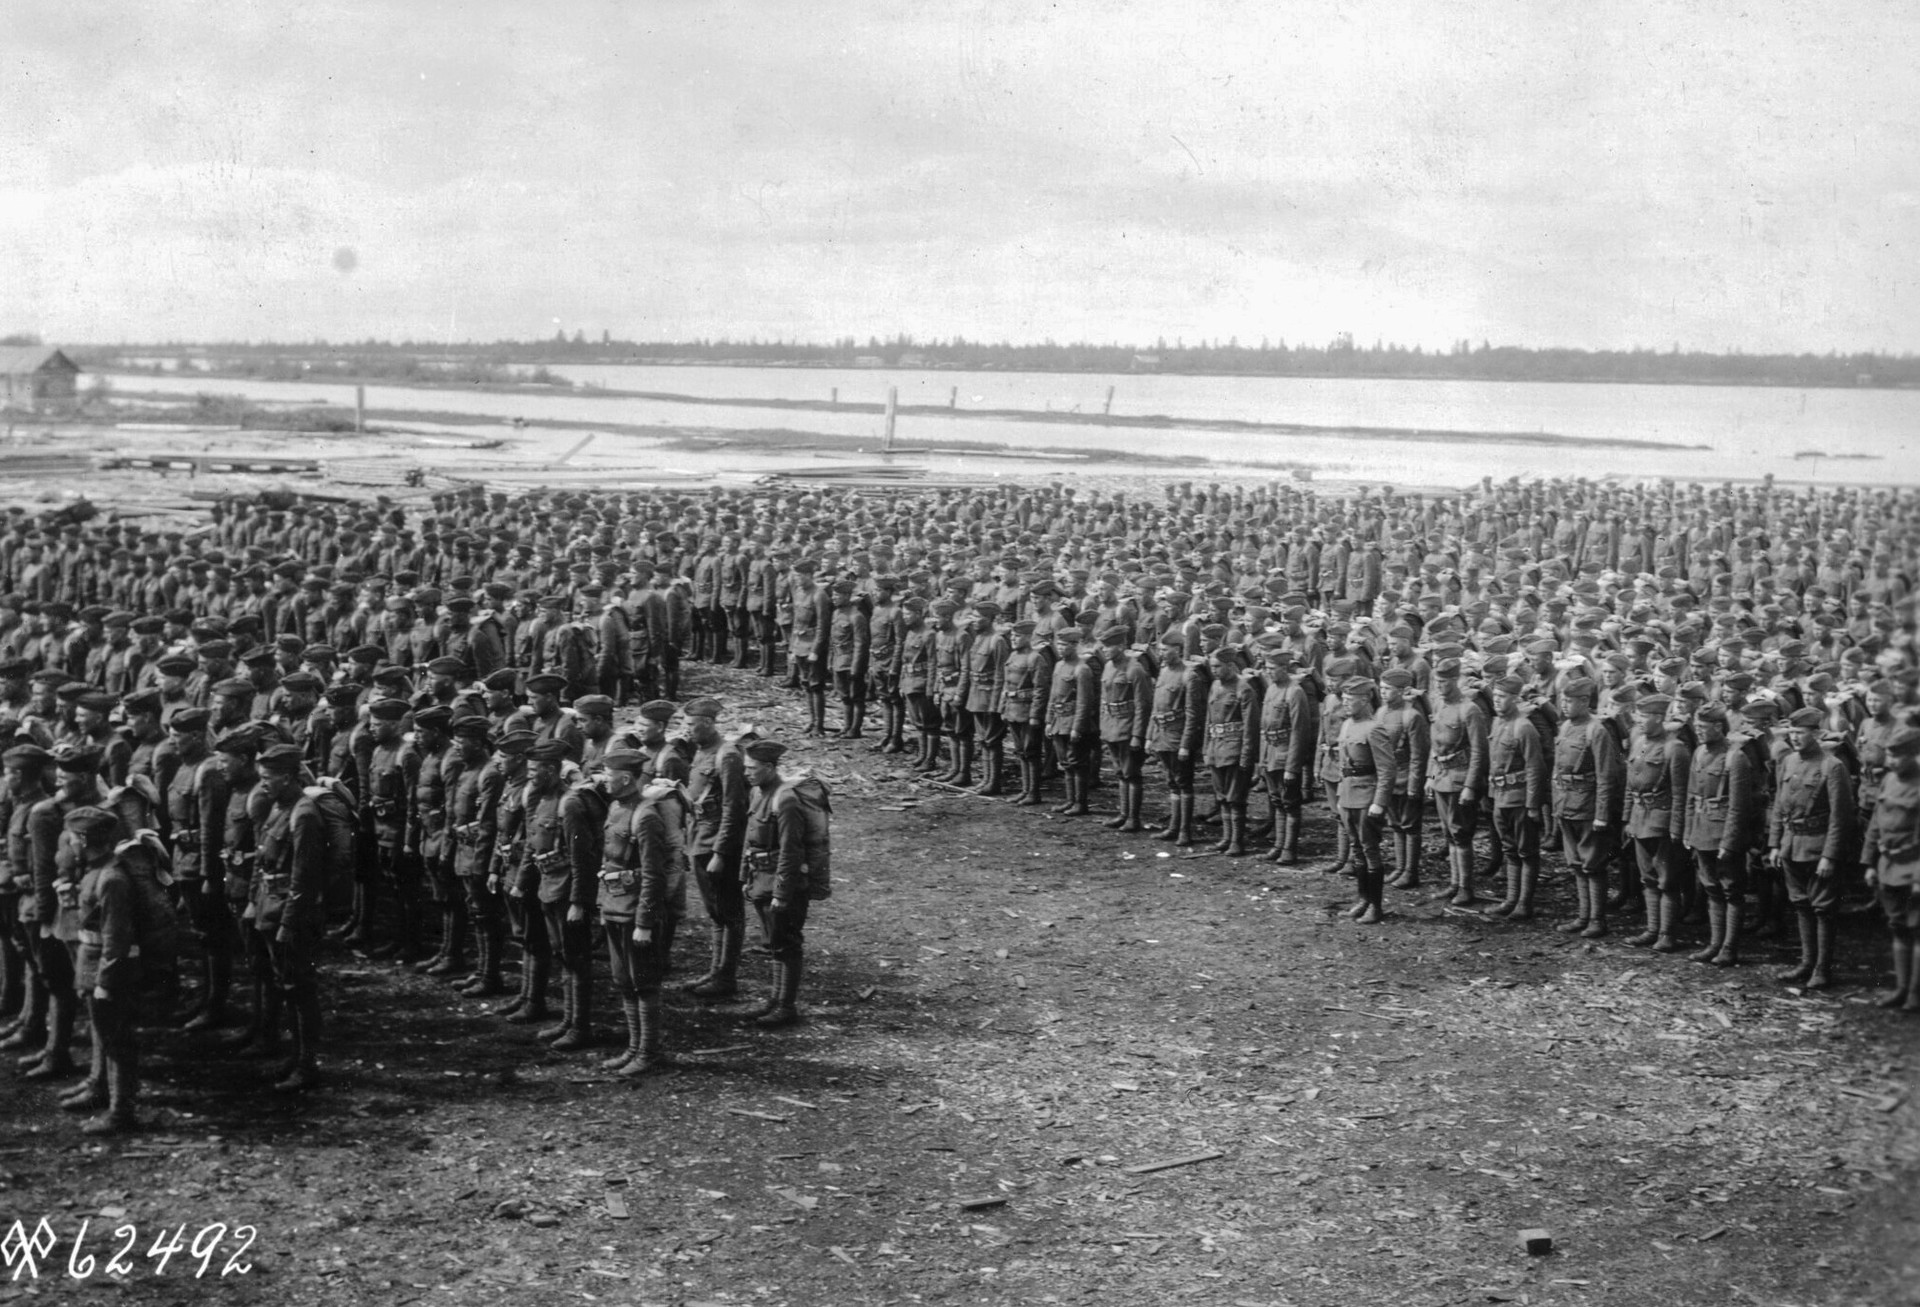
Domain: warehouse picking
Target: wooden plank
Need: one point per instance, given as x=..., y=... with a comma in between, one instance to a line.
x=1167, y=1164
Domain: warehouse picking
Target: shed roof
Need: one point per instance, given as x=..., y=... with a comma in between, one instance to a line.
x=18, y=360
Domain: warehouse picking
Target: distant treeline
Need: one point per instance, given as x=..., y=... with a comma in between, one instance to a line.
x=520, y=362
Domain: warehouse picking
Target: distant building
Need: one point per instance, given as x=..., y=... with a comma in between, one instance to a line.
x=868, y=361
x=38, y=377
x=1146, y=362
x=911, y=359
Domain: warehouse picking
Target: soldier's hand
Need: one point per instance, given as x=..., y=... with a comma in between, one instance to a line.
x=1825, y=869
x=46, y=932
x=1375, y=810
x=1469, y=795
x=1540, y=816
x=576, y=913
x=493, y=884
x=779, y=905
x=716, y=865
x=1873, y=878
x=101, y=995
x=515, y=892
x=1185, y=754
x=284, y=937
x=1599, y=823
x=641, y=935
x=1774, y=859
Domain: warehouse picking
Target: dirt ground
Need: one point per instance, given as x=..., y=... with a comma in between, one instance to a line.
x=1010, y=1015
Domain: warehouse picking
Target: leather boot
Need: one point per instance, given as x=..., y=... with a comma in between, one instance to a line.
x=302, y=1073
x=856, y=721
x=720, y=981
x=1399, y=876
x=1291, y=856
x=629, y=1009
x=1135, y=797
x=1512, y=900
x=1226, y=839
x=1913, y=979
x=1077, y=787
x=1529, y=878
x=1902, y=975
x=1650, y=899
x=533, y=1005
x=425, y=966
x=817, y=709
x=29, y=1028
x=1670, y=910
x=1343, y=846
x=1170, y=833
x=488, y=941
x=1596, y=905
x=1281, y=824
x=775, y=989
x=212, y=1012
x=90, y=1095
x=1460, y=859
x=453, y=954
x=650, y=1056
x=1583, y=900
x=1373, y=887
x=1809, y=949
x=122, y=1086
x=547, y=1034
x=992, y=783
x=580, y=1034
x=1716, y=931
x=783, y=1012
x=1029, y=783
x=1189, y=837
x=963, y=773
x=1822, y=975
x=55, y=1060
x=766, y=658
x=1410, y=860
x=1729, y=954
x=1236, y=821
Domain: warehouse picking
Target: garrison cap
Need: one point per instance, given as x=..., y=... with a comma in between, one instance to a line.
x=516, y=742
x=1902, y=742
x=1578, y=688
x=344, y=695
x=282, y=759
x=1712, y=712
x=1806, y=717
x=597, y=705
x=477, y=725
x=25, y=754
x=502, y=680
x=705, y=706
x=765, y=750
x=97, y=701
x=76, y=758
x=446, y=665
x=189, y=720
x=143, y=701
x=242, y=741
x=624, y=760
x=1398, y=677
x=298, y=682
x=89, y=822
x=659, y=710
x=435, y=718
x=546, y=683
x=388, y=710
x=1653, y=705
x=549, y=750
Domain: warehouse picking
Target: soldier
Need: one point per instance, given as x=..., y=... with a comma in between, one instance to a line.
x=717, y=793
x=1024, y=680
x=1365, y=764
x=56, y=880
x=659, y=840
x=1126, y=714
x=1891, y=851
x=1402, y=717
x=116, y=890
x=618, y=877
x=301, y=834
x=1589, y=784
x=778, y=884
x=1656, y=820
x=987, y=653
x=949, y=689
x=1457, y=776
x=473, y=815
x=1175, y=736
x=548, y=720
x=562, y=861
x=386, y=771
x=886, y=626
x=434, y=774
x=1517, y=784
x=1231, y=748
x=28, y=768
x=916, y=682
x=849, y=642
x=509, y=879
x=807, y=643
x=1811, y=826
x=1722, y=812
x=1073, y=714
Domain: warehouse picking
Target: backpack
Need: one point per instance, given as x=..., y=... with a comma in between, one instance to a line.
x=340, y=814
x=576, y=655
x=816, y=805
x=157, y=925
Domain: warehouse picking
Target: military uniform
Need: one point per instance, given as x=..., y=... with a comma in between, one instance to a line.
x=1589, y=789
x=1723, y=811
x=1808, y=835
x=1457, y=778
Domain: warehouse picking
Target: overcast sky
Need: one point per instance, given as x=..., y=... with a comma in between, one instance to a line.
x=1600, y=174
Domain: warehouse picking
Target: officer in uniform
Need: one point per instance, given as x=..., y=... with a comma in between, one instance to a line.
x=1288, y=728
x=57, y=868
x=1402, y=717
x=886, y=625
x=296, y=853
x=1723, y=809
x=619, y=899
x=1175, y=735
x=510, y=878
x=387, y=789
x=1811, y=826
x=1656, y=820
x=717, y=791
x=660, y=866
x=849, y=640
x=986, y=680
x=562, y=852
x=1589, y=783
x=917, y=639
x=1024, y=681
x=949, y=690
x=1891, y=851
x=428, y=846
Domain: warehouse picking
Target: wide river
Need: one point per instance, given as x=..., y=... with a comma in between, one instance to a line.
x=1743, y=432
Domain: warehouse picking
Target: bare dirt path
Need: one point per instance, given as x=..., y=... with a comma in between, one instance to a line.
x=1010, y=1015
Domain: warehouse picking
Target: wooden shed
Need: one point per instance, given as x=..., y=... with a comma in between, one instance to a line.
x=37, y=377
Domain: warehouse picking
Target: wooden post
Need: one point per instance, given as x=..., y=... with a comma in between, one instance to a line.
x=893, y=402
x=359, y=408
x=1108, y=409
x=953, y=397
x=835, y=396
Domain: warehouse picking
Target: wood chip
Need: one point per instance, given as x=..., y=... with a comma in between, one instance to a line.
x=797, y=1102
x=985, y=1200
x=759, y=1116
x=715, y=1052
x=1146, y=1168
x=616, y=1207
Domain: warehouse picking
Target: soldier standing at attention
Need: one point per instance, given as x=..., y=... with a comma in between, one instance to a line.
x=950, y=649
x=563, y=843
x=1073, y=714
x=1232, y=746
x=717, y=791
x=510, y=878
x=1722, y=812
x=1517, y=782
x=849, y=639
x=777, y=870
x=619, y=897
x=1457, y=773
x=660, y=864
x=295, y=856
x=916, y=681
x=1365, y=756
x=1025, y=677
x=1174, y=736
x=885, y=626
x=384, y=796
x=1657, y=763
x=108, y=971
x=1891, y=851
x=1589, y=780
x=1813, y=814
x=434, y=774
x=1287, y=739
x=56, y=883
x=1405, y=722
x=27, y=768
x=473, y=816
x=1126, y=712
x=987, y=656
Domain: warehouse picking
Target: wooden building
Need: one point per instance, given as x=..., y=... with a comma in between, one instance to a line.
x=37, y=378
